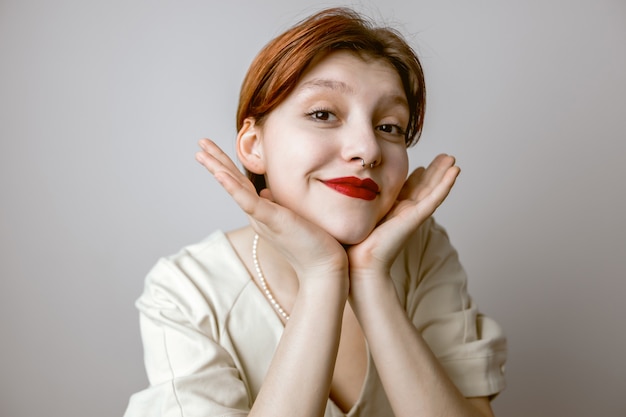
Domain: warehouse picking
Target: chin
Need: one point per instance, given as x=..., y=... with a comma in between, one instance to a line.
x=350, y=237
x=347, y=230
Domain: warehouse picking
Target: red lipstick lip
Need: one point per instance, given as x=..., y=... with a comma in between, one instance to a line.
x=365, y=188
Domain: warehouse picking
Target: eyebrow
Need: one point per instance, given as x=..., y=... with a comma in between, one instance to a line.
x=340, y=86
x=328, y=84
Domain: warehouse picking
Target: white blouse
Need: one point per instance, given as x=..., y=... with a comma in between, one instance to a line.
x=209, y=334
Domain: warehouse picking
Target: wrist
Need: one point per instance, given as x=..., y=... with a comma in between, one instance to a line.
x=372, y=291
x=332, y=284
x=323, y=298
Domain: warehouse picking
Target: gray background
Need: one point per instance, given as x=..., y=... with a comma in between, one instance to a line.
x=101, y=105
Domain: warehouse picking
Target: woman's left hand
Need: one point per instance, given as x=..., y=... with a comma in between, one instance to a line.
x=424, y=190
x=406, y=365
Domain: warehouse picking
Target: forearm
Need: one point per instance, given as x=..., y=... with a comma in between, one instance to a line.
x=415, y=382
x=299, y=377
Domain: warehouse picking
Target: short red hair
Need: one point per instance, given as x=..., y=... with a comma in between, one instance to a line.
x=276, y=70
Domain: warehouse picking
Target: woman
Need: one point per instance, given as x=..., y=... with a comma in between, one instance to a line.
x=342, y=296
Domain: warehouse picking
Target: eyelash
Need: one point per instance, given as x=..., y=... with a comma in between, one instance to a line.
x=399, y=130
x=314, y=114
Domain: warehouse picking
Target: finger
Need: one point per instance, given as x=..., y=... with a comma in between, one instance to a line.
x=411, y=183
x=263, y=212
x=212, y=149
x=408, y=215
x=228, y=175
x=413, y=212
x=267, y=193
x=432, y=176
x=437, y=168
x=261, y=208
x=428, y=203
x=215, y=161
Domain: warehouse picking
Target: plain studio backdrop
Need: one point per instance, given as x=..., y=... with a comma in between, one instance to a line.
x=101, y=107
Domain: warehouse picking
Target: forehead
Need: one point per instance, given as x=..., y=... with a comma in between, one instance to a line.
x=351, y=73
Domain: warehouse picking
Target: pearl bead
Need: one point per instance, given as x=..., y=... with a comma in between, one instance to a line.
x=265, y=288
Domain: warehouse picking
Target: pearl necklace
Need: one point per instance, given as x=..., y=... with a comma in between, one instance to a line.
x=265, y=288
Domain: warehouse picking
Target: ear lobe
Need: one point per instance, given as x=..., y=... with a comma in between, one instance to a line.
x=249, y=149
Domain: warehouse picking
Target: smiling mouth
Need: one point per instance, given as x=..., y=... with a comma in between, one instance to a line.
x=365, y=189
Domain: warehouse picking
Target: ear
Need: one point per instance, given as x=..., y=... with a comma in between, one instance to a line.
x=249, y=147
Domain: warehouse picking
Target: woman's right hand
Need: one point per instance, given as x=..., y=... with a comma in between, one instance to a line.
x=310, y=250
x=306, y=353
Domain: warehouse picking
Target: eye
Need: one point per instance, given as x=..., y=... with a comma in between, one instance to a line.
x=391, y=129
x=322, y=115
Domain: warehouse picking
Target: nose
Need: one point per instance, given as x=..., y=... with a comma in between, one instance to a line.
x=361, y=146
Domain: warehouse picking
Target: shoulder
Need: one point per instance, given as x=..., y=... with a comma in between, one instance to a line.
x=202, y=278
x=427, y=248
x=213, y=257
x=431, y=235
x=432, y=283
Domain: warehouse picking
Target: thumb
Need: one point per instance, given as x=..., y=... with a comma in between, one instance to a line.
x=267, y=194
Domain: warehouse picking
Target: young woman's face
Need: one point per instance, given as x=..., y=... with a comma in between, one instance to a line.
x=345, y=109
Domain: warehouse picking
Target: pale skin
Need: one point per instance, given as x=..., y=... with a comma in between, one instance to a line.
x=332, y=276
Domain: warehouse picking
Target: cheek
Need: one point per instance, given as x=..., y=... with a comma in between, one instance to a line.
x=288, y=171
x=395, y=176
x=398, y=162
x=295, y=153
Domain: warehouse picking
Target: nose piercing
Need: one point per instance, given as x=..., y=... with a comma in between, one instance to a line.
x=363, y=163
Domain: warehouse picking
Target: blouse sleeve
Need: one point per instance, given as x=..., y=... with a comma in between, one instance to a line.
x=190, y=373
x=470, y=346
